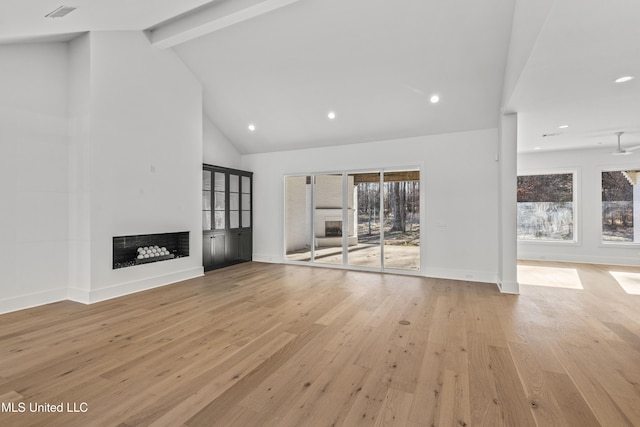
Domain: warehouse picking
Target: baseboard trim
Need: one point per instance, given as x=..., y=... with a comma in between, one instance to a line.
x=141, y=285
x=508, y=287
x=79, y=295
x=8, y=305
x=464, y=275
x=83, y=296
x=267, y=258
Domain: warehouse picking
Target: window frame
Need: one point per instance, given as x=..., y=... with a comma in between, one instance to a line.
x=577, y=208
x=600, y=170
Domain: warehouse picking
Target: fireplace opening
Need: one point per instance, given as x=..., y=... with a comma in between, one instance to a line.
x=333, y=228
x=129, y=251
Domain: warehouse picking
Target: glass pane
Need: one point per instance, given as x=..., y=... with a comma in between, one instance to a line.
x=219, y=220
x=219, y=181
x=619, y=200
x=206, y=200
x=246, y=219
x=234, y=201
x=246, y=185
x=364, y=232
x=298, y=218
x=401, y=223
x=234, y=219
x=234, y=183
x=219, y=200
x=246, y=202
x=328, y=219
x=206, y=220
x=545, y=207
x=206, y=180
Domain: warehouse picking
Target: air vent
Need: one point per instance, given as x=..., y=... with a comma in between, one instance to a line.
x=60, y=12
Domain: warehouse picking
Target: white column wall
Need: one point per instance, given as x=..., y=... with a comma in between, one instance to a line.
x=79, y=171
x=145, y=156
x=507, y=183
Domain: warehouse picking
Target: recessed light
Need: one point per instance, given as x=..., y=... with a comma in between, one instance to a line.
x=624, y=79
x=251, y=127
x=563, y=126
x=536, y=148
x=331, y=115
x=434, y=99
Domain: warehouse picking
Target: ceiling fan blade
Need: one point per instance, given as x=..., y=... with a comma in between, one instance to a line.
x=635, y=147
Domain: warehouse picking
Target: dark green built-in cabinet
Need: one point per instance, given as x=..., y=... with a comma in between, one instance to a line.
x=227, y=217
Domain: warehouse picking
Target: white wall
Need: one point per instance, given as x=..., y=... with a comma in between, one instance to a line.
x=217, y=149
x=459, y=177
x=33, y=174
x=99, y=137
x=79, y=168
x=145, y=156
x=589, y=249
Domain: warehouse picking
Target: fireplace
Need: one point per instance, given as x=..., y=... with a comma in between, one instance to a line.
x=333, y=229
x=328, y=228
x=129, y=251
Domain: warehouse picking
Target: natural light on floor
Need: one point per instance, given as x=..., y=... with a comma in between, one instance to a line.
x=628, y=281
x=553, y=277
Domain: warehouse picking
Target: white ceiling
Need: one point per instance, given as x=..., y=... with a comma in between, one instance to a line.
x=569, y=77
x=284, y=64
x=375, y=64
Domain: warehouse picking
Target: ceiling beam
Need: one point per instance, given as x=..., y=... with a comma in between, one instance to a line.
x=208, y=19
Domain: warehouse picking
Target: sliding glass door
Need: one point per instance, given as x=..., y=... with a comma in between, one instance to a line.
x=328, y=214
x=364, y=192
x=402, y=220
x=298, y=234
x=366, y=220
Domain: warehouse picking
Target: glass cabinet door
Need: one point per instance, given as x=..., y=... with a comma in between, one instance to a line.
x=219, y=201
x=246, y=202
x=206, y=200
x=234, y=201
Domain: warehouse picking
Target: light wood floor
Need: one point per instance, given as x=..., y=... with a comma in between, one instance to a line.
x=275, y=345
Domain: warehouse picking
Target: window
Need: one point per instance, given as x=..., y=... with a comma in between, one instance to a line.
x=546, y=207
x=620, y=195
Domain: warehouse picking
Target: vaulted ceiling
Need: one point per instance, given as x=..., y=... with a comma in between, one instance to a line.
x=283, y=65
